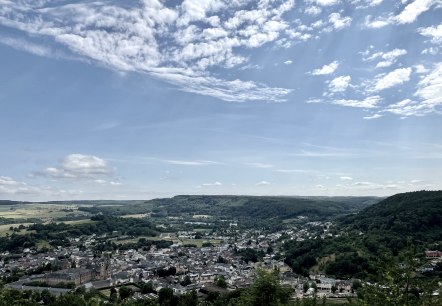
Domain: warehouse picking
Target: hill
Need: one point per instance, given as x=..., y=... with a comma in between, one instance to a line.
x=259, y=207
x=377, y=231
x=415, y=214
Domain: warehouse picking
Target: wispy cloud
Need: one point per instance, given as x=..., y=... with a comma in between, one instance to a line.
x=263, y=183
x=191, y=162
x=369, y=102
x=215, y=184
x=10, y=187
x=260, y=165
x=126, y=39
x=387, y=58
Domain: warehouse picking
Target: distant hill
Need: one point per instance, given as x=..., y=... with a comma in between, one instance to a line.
x=416, y=214
x=260, y=207
x=8, y=202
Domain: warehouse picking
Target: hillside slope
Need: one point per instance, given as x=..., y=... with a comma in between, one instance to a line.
x=416, y=214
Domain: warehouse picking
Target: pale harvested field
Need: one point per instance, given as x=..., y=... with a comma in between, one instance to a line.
x=139, y=216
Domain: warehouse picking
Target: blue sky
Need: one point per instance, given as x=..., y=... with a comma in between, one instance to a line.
x=144, y=99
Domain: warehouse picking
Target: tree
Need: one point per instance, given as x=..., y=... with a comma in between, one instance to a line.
x=167, y=298
x=221, y=281
x=125, y=292
x=305, y=287
x=146, y=288
x=315, y=287
x=399, y=284
x=266, y=291
x=47, y=297
x=189, y=299
x=186, y=281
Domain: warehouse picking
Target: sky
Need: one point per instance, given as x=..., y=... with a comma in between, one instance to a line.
x=144, y=99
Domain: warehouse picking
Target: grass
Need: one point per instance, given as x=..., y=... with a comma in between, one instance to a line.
x=336, y=301
x=4, y=229
x=43, y=244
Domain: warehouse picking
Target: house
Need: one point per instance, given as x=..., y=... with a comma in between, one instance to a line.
x=433, y=254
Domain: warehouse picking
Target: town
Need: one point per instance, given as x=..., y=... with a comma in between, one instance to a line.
x=229, y=264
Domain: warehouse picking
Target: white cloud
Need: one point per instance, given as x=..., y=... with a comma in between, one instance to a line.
x=260, y=165
x=408, y=15
x=413, y=10
x=78, y=166
x=313, y=10
x=387, y=58
x=326, y=2
x=369, y=102
x=346, y=178
x=376, y=24
x=212, y=184
x=428, y=96
x=12, y=188
x=420, y=69
x=435, y=33
x=193, y=38
x=430, y=88
x=191, y=162
x=374, y=116
x=393, y=78
x=326, y=69
x=405, y=108
x=263, y=183
x=431, y=51
x=339, y=22
x=289, y=62
x=340, y=84
x=107, y=183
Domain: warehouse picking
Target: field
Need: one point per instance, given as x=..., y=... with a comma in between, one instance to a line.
x=4, y=229
x=44, y=212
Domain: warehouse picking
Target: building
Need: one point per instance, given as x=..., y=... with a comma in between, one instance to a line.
x=78, y=276
x=433, y=254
